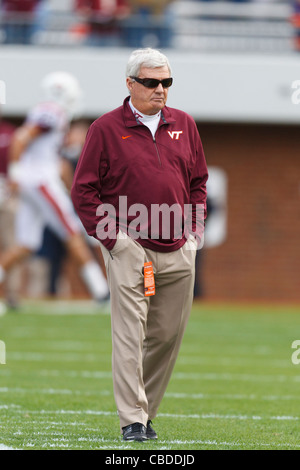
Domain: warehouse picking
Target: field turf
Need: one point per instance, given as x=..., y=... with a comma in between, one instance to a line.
x=234, y=385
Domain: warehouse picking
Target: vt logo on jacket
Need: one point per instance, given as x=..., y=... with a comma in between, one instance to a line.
x=175, y=134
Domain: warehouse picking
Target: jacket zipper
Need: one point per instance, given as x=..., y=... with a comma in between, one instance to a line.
x=157, y=152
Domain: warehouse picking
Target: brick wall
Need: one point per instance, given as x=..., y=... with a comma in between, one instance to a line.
x=260, y=258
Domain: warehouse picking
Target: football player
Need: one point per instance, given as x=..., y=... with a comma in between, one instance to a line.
x=34, y=172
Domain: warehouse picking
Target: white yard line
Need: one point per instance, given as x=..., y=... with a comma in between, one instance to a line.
x=18, y=409
x=3, y=447
x=116, y=444
x=60, y=439
x=179, y=396
x=259, y=378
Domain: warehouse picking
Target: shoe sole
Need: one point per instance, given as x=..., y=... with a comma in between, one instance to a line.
x=137, y=439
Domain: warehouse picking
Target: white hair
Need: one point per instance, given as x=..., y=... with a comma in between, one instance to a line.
x=148, y=57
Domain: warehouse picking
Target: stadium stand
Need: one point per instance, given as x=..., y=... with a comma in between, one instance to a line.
x=256, y=26
x=225, y=25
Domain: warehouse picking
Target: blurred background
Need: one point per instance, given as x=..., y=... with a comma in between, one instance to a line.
x=236, y=70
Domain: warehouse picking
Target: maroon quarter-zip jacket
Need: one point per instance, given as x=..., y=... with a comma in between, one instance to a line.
x=120, y=158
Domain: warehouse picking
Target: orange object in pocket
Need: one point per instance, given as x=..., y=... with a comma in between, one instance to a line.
x=149, y=283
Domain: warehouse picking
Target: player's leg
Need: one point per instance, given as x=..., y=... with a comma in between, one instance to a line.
x=28, y=235
x=59, y=214
x=7, y=240
x=11, y=257
x=90, y=269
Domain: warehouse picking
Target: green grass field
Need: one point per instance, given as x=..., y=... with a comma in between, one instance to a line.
x=234, y=385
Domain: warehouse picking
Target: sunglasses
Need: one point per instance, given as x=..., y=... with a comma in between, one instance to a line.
x=153, y=82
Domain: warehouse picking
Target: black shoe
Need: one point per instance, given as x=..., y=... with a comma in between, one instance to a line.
x=151, y=434
x=135, y=432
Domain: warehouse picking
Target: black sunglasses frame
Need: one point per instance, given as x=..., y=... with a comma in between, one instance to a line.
x=154, y=82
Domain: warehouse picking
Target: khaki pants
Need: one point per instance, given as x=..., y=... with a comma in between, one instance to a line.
x=146, y=331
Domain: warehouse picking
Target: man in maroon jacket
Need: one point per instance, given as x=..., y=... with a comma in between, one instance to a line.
x=140, y=189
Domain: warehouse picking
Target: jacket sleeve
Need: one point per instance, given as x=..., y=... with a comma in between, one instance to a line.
x=86, y=189
x=198, y=193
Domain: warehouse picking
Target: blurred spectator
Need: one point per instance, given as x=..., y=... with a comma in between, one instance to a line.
x=150, y=25
x=295, y=20
x=102, y=18
x=71, y=150
x=53, y=251
x=19, y=20
x=7, y=209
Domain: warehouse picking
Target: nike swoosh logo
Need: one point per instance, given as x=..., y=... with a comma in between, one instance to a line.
x=125, y=137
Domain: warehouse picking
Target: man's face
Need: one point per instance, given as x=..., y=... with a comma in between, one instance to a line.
x=149, y=100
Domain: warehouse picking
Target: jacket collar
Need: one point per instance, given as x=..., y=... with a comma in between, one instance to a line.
x=131, y=121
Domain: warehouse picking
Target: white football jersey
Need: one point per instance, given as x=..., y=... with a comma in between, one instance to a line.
x=40, y=161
